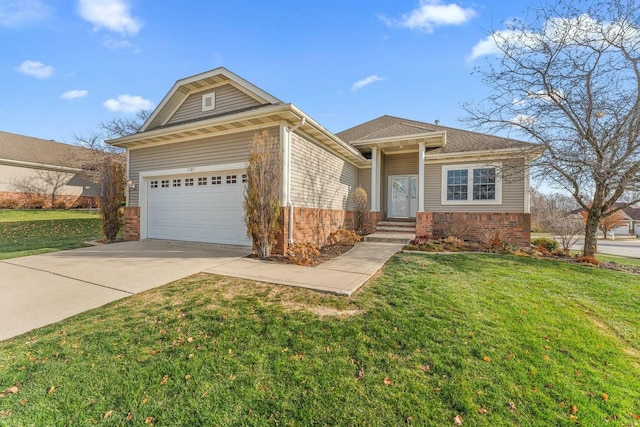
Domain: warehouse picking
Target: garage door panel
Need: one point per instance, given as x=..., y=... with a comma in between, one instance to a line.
x=201, y=213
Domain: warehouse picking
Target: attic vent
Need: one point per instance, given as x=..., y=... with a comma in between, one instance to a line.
x=209, y=101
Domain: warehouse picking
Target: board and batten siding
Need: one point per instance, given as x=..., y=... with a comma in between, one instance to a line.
x=216, y=150
x=228, y=99
x=512, y=189
x=319, y=178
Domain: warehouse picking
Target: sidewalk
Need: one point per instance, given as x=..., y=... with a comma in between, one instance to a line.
x=343, y=275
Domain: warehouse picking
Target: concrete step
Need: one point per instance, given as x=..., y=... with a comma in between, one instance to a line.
x=405, y=224
x=394, y=228
x=390, y=237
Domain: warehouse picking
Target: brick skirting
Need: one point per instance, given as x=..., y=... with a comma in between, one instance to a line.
x=514, y=228
x=131, y=223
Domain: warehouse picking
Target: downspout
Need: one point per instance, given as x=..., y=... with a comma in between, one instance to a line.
x=290, y=130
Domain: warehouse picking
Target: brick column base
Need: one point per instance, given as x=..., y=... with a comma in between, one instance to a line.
x=131, y=223
x=424, y=224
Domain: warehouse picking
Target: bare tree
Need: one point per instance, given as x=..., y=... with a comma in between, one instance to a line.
x=570, y=81
x=610, y=222
x=262, y=195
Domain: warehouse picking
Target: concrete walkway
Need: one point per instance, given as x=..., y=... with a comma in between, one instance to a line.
x=343, y=275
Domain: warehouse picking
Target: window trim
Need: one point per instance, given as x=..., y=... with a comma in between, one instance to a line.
x=470, y=167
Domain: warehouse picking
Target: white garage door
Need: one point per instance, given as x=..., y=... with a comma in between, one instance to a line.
x=620, y=231
x=197, y=208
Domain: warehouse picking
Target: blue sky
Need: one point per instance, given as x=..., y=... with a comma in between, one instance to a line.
x=67, y=65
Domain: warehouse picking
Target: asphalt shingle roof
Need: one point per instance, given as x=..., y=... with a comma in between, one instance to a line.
x=35, y=150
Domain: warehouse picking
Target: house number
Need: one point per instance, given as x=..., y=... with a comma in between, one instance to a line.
x=191, y=169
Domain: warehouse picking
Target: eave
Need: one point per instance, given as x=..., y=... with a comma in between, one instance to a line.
x=399, y=143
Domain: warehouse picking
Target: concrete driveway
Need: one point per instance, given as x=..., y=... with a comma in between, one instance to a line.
x=42, y=289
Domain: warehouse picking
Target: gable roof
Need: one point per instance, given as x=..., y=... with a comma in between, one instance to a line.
x=22, y=149
x=457, y=140
x=630, y=212
x=184, y=87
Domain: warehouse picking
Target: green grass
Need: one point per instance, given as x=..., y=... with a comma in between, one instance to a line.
x=33, y=232
x=432, y=337
x=622, y=260
x=15, y=215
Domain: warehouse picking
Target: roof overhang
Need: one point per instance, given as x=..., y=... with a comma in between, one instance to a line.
x=405, y=143
x=270, y=115
x=529, y=153
x=41, y=166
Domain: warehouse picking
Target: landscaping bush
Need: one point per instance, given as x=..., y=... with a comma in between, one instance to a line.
x=302, y=253
x=60, y=204
x=343, y=237
x=80, y=204
x=588, y=260
x=35, y=203
x=9, y=204
x=361, y=202
x=549, y=244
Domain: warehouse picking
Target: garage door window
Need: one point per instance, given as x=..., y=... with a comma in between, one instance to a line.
x=154, y=184
x=177, y=182
x=232, y=179
x=245, y=178
x=165, y=183
x=216, y=180
x=202, y=180
x=188, y=182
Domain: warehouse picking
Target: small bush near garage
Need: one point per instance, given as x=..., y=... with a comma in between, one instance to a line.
x=303, y=253
x=112, y=184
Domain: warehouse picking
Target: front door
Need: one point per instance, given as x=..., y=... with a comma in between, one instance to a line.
x=403, y=196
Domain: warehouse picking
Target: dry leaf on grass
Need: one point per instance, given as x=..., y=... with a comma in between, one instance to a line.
x=486, y=359
x=388, y=381
x=108, y=414
x=458, y=420
x=10, y=390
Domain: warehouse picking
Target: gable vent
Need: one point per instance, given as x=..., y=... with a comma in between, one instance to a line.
x=209, y=101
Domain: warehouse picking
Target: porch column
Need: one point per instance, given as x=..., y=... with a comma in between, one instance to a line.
x=421, y=153
x=375, y=180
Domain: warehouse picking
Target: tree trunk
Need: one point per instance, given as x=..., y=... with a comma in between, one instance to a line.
x=263, y=248
x=591, y=236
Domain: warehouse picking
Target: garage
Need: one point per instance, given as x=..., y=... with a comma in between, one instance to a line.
x=197, y=207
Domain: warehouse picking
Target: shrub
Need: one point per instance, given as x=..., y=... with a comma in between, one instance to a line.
x=549, y=244
x=35, y=203
x=343, y=237
x=80, y=204
x=112, y=184
x=561, y=252
x=60, y=204
x=303, y=253
x=360, y=200
x=494, y=241
x=9, y=204
x=588, y=260
x=542, y=250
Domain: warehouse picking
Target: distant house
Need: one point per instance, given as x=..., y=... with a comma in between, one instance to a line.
x=631, y=215
x=187, y=165
x=40, y=173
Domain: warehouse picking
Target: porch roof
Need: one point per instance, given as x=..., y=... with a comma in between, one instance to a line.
x=402, y=143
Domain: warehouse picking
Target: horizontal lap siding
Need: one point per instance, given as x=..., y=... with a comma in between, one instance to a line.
x=401, y=164
x=232, y=148
x=365, y=182
x=512, y=189
x=320, y=179
x=228, y=99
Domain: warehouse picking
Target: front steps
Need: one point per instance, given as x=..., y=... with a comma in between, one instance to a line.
x=393, y=231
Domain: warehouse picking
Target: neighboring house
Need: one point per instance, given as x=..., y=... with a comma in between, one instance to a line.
x=630, y=214
x=36, y=172
x=187, y=164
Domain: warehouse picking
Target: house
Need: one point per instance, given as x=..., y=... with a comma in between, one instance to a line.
x=186, y=167
x=40, y=173
x=630, y=215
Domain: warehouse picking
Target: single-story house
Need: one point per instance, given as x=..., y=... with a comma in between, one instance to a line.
x=187, y=165
x=36, y=173
x=630, y=215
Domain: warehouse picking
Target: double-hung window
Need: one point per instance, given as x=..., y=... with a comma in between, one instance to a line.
x=471, y=184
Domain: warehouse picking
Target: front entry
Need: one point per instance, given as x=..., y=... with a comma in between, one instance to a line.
x=403, y=196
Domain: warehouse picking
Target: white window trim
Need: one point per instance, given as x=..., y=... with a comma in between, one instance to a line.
x=212, y=97
x=470, y=168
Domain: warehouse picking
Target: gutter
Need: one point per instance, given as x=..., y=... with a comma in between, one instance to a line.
x=290, y=130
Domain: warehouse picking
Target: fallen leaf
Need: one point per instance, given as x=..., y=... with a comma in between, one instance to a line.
x=149, y=420
x=512, y=406
x=437, y=389
x=388, y=381
x=165, y=379
x=534, y=388
x=573, y=417
x=482, y=411
x=52, y=389
x=107, y=414
x=186, y=377
x=547, y=347
x=574, y=409
x=190, y=356
x=458, y=420
x=145, y=401
x=604, y=396
x=548, y=386
x=23, y=402
x=409, y=419
x=361, y=373
x=486, y=359
x=425, y=368
x=190, y=339
x=636, y=417
x=546, y=357
x=129, y=416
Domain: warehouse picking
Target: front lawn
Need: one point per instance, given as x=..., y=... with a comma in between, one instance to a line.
x=25, y=232
x=486, y=340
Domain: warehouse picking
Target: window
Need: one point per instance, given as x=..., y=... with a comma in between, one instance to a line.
x=216, y=180
x=245, y=178
x=202, y=180
x=471, y=184
x=154, y=184
x=232, y=179
x=177, y=182
x=165, y=183
x=209, y=101
x=188, y=182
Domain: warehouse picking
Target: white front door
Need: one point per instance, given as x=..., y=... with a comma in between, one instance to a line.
x=403, y=196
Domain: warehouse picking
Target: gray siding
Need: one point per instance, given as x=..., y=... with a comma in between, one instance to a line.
x=401, y=164
x=232, y=148
x=228, y=99
x=512, y=189
x=320, y=179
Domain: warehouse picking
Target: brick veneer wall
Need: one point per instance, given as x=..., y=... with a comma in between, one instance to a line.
x=131, y=223
x=514, y=228
x=311, y=225
x=23, y=199
x=371, y=220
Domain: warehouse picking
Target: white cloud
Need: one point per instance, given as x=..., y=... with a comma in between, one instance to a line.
x=35, y=69
x=14, y=13
x=524, y=120
x=74, y=94
x=431, y=14
x=364, y=82
x=113, y=15
x=127, y=104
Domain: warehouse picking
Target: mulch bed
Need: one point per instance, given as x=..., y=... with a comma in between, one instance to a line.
x=326, y=253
